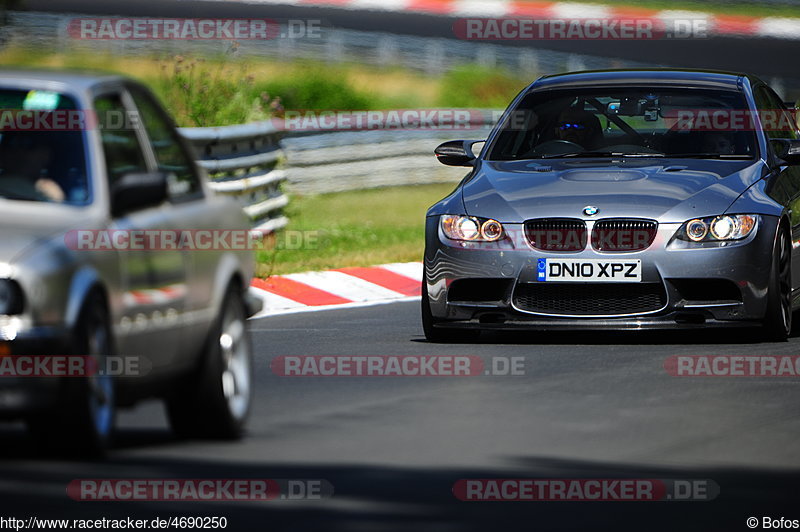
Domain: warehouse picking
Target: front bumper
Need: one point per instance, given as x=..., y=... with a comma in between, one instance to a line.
x=497, y=273
x=24, y=395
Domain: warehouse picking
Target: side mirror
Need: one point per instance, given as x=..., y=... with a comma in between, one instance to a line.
x=138, y=190
x=787, y=149
x=456, y=152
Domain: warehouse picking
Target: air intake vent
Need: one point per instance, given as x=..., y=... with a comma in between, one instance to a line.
x=590, y=299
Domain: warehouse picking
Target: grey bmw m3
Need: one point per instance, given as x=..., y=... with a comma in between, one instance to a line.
x=624, y=199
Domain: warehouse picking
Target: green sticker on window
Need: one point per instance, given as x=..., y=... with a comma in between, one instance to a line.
x=40, y=101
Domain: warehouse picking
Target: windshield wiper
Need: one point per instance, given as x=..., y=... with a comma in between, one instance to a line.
x=710, y=155
x=601, y=154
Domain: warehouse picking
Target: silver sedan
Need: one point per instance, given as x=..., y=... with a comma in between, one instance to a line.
x=100, y=206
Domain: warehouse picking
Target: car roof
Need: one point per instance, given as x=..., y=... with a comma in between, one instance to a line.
x=652, y=76
x=75, y=79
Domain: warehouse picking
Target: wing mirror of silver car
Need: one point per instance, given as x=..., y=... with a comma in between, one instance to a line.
x=787, y=149
x=137, y=191
x=456, y=152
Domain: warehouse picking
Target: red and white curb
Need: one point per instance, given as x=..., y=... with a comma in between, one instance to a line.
x=778, y=27
x=345, y=287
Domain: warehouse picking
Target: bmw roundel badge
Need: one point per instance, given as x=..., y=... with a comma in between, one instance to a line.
x=590, y=210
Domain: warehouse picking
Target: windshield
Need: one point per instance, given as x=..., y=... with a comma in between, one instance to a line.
x=633, y=122
x=41, y=152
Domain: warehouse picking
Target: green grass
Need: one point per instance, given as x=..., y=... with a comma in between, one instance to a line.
x=358, y=228
x=474, y=85
x=231, y=89
x=753, y=9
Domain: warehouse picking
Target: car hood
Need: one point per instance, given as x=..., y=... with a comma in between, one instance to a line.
x=674, y=191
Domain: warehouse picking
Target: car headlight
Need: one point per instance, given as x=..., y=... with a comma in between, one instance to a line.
x=471, y=228
x=719, y=228
x=10, y=297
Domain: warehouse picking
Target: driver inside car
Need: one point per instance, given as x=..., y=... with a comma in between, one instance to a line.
x=23, y=158
x=718, y=143
x=579, y=127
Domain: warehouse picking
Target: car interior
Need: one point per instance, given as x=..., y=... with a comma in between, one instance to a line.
x=626, y=123
x=30, y=155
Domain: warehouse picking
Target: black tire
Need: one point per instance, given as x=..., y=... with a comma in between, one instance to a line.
x=82, y=424
x=777, y=324
x=441, y=335
x=214, y=402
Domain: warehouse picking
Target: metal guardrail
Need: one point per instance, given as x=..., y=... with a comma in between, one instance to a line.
x=349, y=160
x=243, y=161
x=331, y=44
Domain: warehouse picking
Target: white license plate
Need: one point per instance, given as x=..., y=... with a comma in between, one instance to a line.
x=594, y=270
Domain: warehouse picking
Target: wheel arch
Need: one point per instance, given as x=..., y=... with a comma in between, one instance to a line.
x=84, y=283
x=229, y=273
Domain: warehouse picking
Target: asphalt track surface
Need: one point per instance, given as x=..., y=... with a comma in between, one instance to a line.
x=589, y=405
x=764, y=57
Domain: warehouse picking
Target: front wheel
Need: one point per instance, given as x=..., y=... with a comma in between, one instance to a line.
x=777, y=324
x=215, y=401
x=83, y=422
